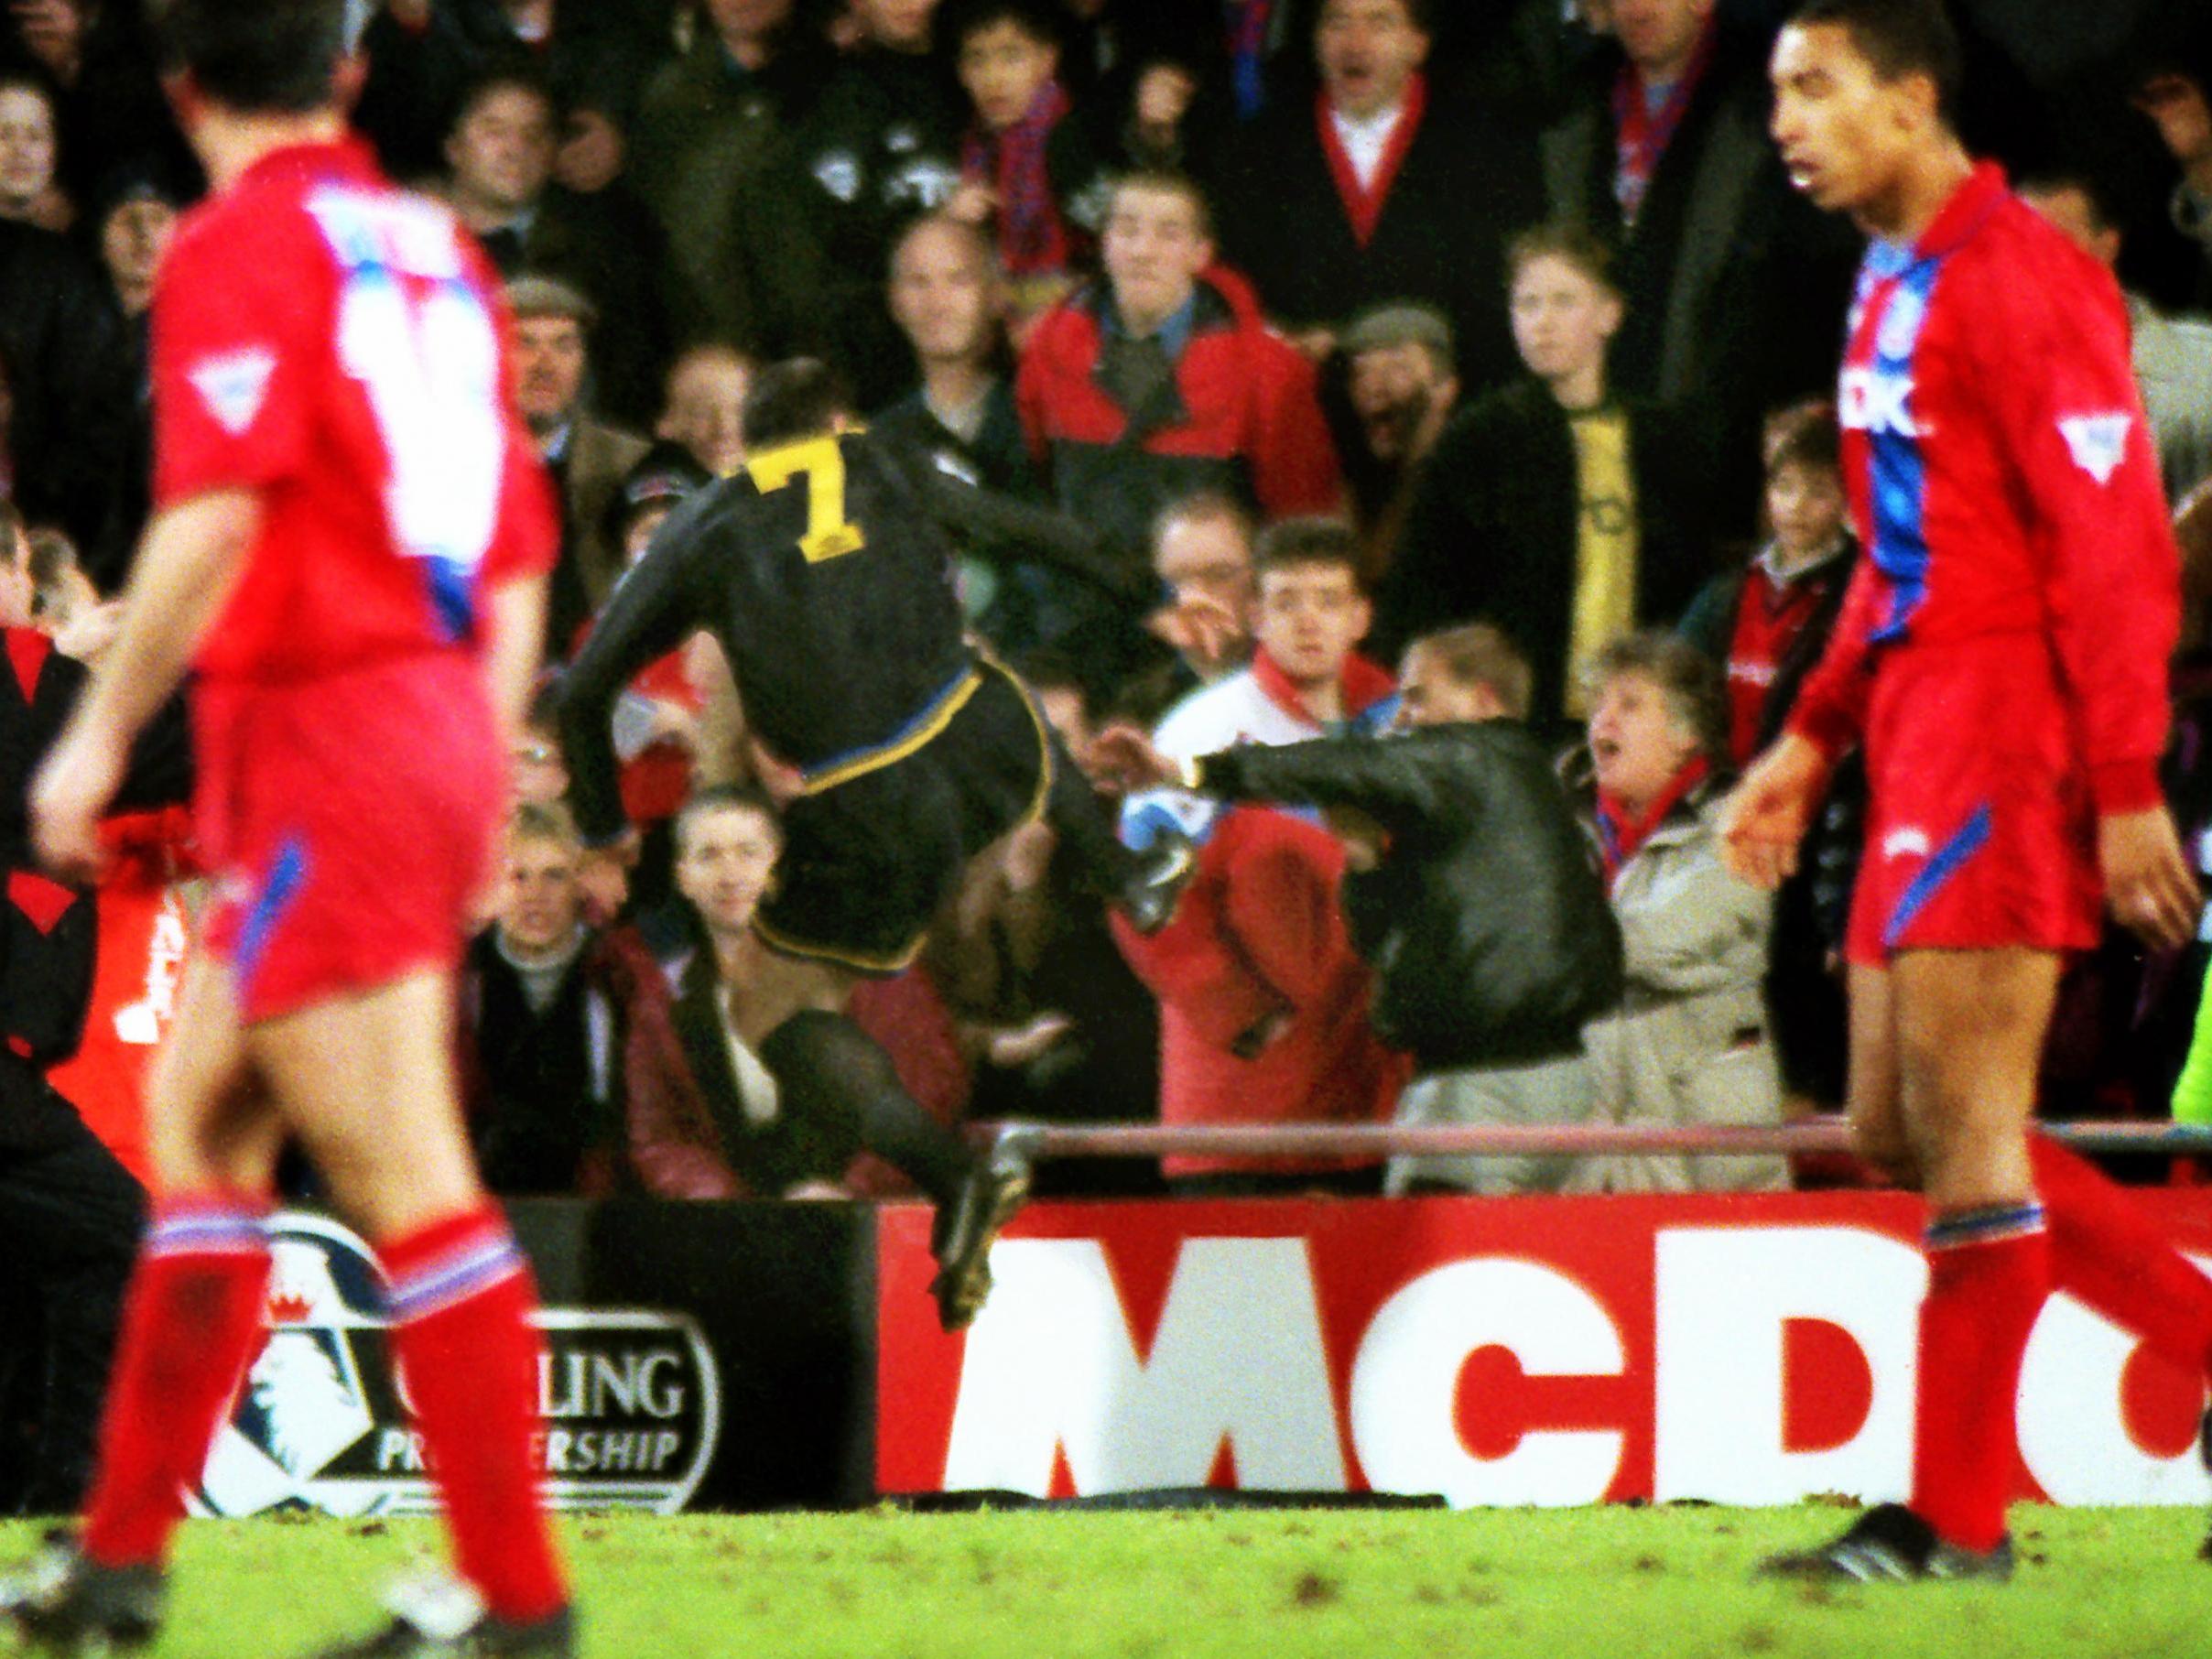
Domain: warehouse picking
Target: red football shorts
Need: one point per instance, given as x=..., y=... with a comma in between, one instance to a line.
x=1980, y=833
x=349, y=822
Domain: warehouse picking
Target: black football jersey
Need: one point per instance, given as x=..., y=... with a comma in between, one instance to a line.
x=827, y=581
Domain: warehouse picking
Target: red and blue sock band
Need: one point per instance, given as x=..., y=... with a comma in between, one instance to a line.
x=480, y=1259
x=1990, y=1226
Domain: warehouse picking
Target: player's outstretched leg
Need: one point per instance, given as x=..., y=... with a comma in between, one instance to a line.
x=1144, y=886
x=826, y=1066
x=2106, y=1251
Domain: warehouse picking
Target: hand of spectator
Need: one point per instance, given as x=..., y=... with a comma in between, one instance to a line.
x=90, y=631
x=413, y=15
x=2147, y=878
x=1163, y=97
x=1318, y=344
x=1122, y=758
x=591, y=155
x=1016, y=1046
x=672, y=723
x=971, y=202
x=53, y=32
x=1202, y=629
x=604, y=877
x=1443, y=399
x=69, y=797
x=1766, y=816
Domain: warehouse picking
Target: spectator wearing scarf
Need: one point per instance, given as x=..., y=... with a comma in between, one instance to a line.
x=1690, y=1043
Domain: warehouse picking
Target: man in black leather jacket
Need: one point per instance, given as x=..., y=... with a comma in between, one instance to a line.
x=1476, y=898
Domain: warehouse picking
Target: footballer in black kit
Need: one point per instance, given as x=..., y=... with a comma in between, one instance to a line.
x=824, y=571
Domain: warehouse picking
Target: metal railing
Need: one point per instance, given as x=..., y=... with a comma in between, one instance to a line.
x=1032, y=1143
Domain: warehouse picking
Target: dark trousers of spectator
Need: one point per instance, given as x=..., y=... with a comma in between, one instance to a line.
x=71, y=1219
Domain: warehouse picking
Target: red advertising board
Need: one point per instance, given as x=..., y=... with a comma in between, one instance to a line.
x=1522, y=1351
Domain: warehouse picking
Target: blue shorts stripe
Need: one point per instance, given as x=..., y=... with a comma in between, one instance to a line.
x=1942, y=866
x=287, y=874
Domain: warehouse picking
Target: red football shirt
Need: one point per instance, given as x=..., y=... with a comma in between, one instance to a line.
x=336, y=345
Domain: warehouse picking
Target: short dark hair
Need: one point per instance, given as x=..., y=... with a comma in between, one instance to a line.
x=1167, y=182
x=1481, y=654
x=1421, y=14
x=1572, y=245
x=1687, y=677
x=1898, y=38
x=1292, y=544
x=799, y=397
x=258, y=57
x=502, y=78
x=1804, y=435
x=725, y=798
x=1036, y=19
x=544, y=821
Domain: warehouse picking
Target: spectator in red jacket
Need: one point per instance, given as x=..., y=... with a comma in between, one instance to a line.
x=1162, y=378
x=1264, y=1000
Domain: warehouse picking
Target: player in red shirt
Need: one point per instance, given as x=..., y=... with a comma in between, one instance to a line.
x=350, y=549
x=2001, y=659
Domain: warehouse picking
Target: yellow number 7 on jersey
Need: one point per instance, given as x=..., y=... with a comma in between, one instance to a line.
x=830, y=534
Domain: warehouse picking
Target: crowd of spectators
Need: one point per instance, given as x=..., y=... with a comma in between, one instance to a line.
x=1391, y=364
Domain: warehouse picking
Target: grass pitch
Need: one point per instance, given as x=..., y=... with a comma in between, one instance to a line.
x=1608, y=1583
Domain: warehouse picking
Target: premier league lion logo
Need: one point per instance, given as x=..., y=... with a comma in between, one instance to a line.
x=630, y=1399
x=304, y=1401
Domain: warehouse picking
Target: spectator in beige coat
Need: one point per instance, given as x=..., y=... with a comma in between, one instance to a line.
x=1691, y=1043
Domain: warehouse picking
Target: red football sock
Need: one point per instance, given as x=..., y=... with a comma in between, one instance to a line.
x=461, y=1297
x=192, y=1322
x=1989, y=1271
x=2105, y=1250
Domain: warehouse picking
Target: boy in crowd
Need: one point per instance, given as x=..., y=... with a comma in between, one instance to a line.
x=1027, y=167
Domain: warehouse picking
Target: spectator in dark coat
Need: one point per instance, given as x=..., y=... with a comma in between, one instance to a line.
x=1765, y=625
x=1552, y=507
x=587, y=458
x=423, y=55
x=499, y=153
x=1386, y=189
x=96, y=57
x=882, y=145
x=69, y=382
x=135, y=216
x=1736, y=288
x=541, y=1028
x=712, y=158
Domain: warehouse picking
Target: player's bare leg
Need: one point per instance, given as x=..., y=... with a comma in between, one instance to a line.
x=1966, y=1033
x=790, y=1011
x=367, y=1080
x=1874, y=1099
x=191, y=1322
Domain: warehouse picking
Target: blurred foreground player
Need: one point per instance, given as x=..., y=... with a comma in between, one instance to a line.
x=350, y=547
x=821, y=569
x=2001, y=657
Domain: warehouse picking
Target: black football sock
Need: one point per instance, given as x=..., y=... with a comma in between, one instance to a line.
x=825, y=1065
